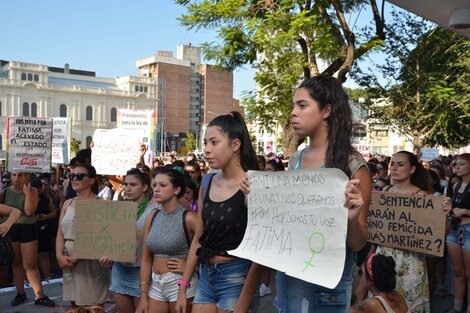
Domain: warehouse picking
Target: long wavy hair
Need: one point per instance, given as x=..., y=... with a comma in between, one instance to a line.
x=234, y=126
x=327, y=90
x=420, y=178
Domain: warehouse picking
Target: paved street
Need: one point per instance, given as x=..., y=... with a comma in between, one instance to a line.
x=53, y=289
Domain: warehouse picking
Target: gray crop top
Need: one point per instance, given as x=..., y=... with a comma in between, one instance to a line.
x=168, y=236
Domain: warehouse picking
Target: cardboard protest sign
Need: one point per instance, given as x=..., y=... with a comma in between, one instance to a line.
x=115, y=151
x=29, y=144
x=414, y=223
x=143, y=121
x=105, y=228
x=60, y=140
x=297, y=224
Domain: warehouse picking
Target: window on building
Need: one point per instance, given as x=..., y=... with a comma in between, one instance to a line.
x=0, y=108
x=63, y=110
x=88, y=141
x=136, y=88
x=89, y=114
x=36, y=77
x=34, y=109
x=30, y=77
x=26, y=109
x=23, y=76
x=141, y=89
x=146, y=89
x=113, y=115
x=1, y=143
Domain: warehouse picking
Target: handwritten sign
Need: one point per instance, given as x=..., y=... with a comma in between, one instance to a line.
x=29, y=144
x=414, y=223
x=115, y=151
x=60, y=140
x=429, y=154
x=297, y=224
x=105, y=228
x=143, y=121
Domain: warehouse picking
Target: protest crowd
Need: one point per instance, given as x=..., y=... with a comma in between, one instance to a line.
x=192, y=209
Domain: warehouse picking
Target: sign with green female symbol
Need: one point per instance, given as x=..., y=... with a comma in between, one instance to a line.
x=297, y=224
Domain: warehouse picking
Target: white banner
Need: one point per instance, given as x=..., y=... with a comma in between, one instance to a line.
x=29, y=144
x=143, y=121
x=297, y=224
x=115, y=151
x=429, y=154
x=61, y=140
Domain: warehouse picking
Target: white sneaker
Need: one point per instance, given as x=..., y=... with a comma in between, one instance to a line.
x=264, y=290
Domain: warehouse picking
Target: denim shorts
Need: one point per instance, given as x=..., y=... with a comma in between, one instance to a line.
x=125, y=280
x=165, y=287
x=221, y=283
x=452, y=237
x=298, y=296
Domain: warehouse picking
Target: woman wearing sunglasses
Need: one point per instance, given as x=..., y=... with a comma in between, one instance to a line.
x=125, y=277
x=379, y=275
x=85, y=282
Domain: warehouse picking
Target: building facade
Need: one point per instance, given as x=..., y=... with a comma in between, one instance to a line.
x=191, y=94
x=91, y=102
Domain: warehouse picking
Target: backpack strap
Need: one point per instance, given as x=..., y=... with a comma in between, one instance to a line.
x=185, y=228
x=205, y=182
x=153, y=217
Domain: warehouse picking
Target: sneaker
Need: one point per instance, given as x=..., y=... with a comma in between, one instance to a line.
x=44, y=301
x=452, y=310
x=264, y=290
x=19, y=299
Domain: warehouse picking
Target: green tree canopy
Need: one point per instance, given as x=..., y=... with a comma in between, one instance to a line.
x=427, y=86
x=286, y=41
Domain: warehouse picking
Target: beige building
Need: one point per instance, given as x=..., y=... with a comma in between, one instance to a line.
x=91, y=102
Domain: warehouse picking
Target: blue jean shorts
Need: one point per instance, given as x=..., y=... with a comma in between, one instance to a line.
x=125, y=280
x=221, y=283
x=297, y=296
x=453, y=236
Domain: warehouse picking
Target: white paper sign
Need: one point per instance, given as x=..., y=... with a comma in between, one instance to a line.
x=297, y=224
x=429, y=154
x=60, y=140
x=115, y=151
x=29, y=144
x=143, y=121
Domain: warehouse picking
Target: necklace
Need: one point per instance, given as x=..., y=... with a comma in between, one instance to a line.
x=142, y=206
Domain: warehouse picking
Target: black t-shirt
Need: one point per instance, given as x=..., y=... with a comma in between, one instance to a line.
x=224, y=225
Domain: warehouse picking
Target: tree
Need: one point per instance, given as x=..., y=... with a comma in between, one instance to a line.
x=190, y=141
x=428, y=93
x=287, y=41
x=75, y=145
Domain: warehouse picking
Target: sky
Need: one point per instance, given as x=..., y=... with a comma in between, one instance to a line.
x=103, y=36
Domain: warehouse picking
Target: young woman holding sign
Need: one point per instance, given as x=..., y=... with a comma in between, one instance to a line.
x=458, y=240
x=321, y=112
x=167, y=237
x=410, y=178
x=85, y=282
x=221, y=223
x=125, y=277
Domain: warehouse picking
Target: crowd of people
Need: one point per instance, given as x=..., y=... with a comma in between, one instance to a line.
x=192, y=209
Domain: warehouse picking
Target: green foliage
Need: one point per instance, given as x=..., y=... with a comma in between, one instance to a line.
x=190, y=141
x=75, y=145
x=427, y=86
x=285, y=41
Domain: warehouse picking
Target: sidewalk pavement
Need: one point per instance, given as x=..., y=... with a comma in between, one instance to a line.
x=53, y=289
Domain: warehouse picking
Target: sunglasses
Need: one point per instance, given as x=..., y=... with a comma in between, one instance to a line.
x=79, y=176
x=376, y=187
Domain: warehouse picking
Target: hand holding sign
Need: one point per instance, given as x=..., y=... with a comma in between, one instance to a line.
x=354, y=201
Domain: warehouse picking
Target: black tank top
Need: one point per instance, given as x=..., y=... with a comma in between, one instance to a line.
x=224, y=224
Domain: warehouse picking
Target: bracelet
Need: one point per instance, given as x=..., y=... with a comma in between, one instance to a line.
x=184, y=283
x=146, y=292
x=144, y=282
